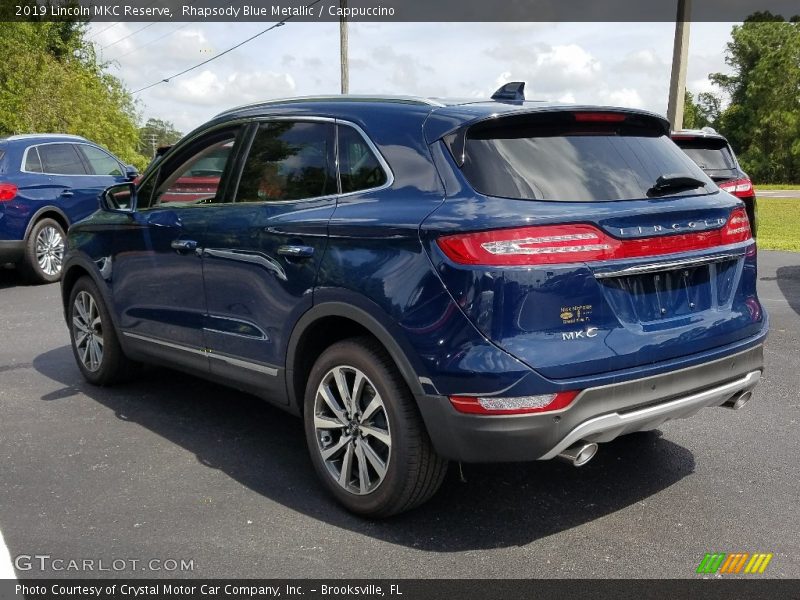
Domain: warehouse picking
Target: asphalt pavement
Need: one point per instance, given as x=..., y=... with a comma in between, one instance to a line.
x=173, y=468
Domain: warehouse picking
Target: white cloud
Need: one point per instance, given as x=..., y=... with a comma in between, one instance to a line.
x=604, y=63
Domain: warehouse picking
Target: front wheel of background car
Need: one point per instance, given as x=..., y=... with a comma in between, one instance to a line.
x=44, y=252
x=94, y=341
x=365, y=434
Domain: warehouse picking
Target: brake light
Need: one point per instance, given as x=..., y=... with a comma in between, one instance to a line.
x=599, y=117
x=741, y=188
x=513, y=405
x=560, y=244
x=8, y=191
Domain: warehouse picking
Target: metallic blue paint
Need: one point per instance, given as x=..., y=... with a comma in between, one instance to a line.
x=71, y=197
x=463, y=330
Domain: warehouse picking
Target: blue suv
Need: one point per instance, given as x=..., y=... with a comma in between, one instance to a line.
x=47, y=182
x=428, y=281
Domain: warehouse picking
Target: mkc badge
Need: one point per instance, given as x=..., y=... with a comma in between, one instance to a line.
x=580, y=334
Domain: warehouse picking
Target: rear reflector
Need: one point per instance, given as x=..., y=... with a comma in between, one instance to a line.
x=8, y=191
x=560, y=244
x=741, y=188
x=512, y=406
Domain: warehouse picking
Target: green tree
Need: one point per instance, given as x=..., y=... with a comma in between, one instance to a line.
x=52, y=82
x=701, y=111
x=157, y=133
x=762, y=120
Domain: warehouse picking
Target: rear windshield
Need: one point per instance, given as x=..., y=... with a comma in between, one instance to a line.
x=713, y=156
x=555, y=158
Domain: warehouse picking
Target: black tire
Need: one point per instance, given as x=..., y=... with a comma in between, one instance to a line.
x=413, y=470
x=113, y=366
x=50, y=271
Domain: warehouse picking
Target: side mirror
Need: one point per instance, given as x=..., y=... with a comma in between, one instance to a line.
x=119, y=198
x=131, y=172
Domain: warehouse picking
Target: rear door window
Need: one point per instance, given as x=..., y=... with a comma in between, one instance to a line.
x=101, y=163
x=553, y=157
x=61, y=159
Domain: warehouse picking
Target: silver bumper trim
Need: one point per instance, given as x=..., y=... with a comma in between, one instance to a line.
x=609, y=426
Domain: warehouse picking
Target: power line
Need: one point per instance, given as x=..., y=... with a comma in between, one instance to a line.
x=94, y=35
x=223, y=53
x=158, y=39
x=129, y=35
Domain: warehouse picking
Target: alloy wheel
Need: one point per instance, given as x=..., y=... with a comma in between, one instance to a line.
x=87, y=328
x=49, y=250
x=352, y=430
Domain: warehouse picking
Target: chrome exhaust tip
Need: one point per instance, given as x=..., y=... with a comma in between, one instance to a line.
x=739, y=400
x=579, y=454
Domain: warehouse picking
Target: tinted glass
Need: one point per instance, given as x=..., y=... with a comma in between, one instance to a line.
x=192, y=183
x=571, y=162
x=714, y=158
x=289, y=161
x=61, y=159
x=100, y=162
x=359, y=168
x=32, y=162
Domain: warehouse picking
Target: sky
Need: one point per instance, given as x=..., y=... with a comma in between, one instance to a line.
x=623, y=64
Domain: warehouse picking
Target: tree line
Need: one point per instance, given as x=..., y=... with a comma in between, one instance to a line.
x=51, y=81
x=757, y=105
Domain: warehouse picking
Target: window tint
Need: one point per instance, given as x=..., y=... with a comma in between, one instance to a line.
x=709, y=158
x=359, y=168
x=33, y=163
x=188, y=180
x=61, y=159
x=289, y=161
x=571, y=162
x=101, y=163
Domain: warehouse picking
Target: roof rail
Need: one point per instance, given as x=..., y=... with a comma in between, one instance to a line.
x=338, y=98
x=26, y=136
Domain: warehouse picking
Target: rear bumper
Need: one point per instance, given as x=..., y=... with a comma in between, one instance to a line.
x=11, y=251
x=597, y=414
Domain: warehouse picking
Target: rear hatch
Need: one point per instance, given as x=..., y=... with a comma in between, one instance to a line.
x=584, y=242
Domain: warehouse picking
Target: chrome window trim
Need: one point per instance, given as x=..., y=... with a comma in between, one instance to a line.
x=244, y=121
x=72, y=143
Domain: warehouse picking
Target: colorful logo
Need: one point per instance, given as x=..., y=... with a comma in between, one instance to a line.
x=739, y=562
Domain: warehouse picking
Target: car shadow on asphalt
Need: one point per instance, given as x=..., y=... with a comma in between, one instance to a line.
x=10, y=278
x=494, y=506
x=789, y=284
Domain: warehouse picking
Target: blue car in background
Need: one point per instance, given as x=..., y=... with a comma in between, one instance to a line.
x=47, y=182
x=426, y=281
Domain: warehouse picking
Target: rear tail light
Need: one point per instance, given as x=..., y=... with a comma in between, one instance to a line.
x=741, y=188
x=513, y=405
x=560, y=244
x=8, y=191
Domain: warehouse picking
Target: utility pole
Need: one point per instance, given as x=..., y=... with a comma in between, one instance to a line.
x=680, y=56
x=343, y=49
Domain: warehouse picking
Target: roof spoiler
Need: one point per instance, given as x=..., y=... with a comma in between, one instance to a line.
x=512, y=92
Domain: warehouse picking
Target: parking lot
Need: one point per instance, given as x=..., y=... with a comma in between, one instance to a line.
x=171, y=467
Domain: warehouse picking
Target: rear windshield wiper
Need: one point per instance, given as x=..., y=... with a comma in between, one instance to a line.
x=673, y=183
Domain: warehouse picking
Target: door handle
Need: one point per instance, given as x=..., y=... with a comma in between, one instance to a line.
x=296, y=251
x=67, y=194
x=184, y=245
